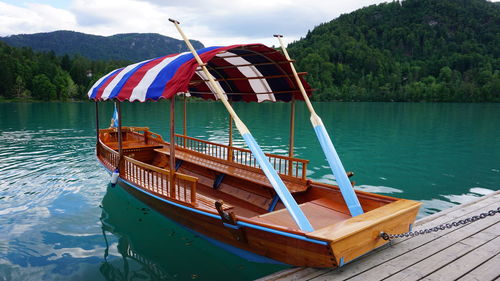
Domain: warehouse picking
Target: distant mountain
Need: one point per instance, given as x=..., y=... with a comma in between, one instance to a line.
x=129, y=46
x=411, y=50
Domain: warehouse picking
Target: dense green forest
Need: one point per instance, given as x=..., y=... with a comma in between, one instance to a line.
x=26, y=74
x=129, y=46
x=414, y=50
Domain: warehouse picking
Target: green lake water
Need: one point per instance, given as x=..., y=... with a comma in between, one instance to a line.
x=60, y=219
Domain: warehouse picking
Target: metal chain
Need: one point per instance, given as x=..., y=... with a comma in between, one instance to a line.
x=440, y=227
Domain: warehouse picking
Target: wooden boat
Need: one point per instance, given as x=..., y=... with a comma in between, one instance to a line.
x=226, y=193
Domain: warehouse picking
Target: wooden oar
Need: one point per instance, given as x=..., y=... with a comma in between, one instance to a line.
x=278, y=185
x=326, y=144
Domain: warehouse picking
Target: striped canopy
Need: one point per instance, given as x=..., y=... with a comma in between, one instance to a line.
x=244, y=73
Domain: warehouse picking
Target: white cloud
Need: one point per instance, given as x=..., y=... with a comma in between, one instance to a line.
x=33, y=18
x=213, y=22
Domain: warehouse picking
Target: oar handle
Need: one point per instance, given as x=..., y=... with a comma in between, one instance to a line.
x=237, y=121
x=314, y=117
x=277, y=183
x=326, y=144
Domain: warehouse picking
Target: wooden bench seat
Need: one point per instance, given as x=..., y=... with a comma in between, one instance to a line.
x=132, y=145
x=205, y=201
x=232, y=170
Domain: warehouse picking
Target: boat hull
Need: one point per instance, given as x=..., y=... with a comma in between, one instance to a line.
x=282, y=247
x=337, y=239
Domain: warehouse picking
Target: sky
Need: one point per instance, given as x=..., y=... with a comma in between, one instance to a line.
x=213, y=22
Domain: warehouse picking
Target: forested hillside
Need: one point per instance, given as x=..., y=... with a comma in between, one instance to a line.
x=130, y=46
x=414, y=50
x=44, y=76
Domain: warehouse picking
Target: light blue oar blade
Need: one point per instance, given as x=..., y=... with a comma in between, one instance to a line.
x=278, y=184
x=338, y=170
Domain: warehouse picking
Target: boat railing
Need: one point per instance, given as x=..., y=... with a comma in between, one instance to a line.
x=109, y=157
x=152, y=138
x=284, y=165
x=128, y=133
x=153, y=179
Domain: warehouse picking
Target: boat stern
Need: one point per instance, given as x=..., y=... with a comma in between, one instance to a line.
x=359, y=235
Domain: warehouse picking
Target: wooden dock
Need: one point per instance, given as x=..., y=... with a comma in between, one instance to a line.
x=467, y=252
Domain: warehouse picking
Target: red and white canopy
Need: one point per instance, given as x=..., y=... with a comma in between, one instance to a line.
x=244, y=73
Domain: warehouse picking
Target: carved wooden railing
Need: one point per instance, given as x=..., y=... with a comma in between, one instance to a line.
x=108, y=157
x=284, y=165
x=149, y=177
x=152, y=138
x=128, y=134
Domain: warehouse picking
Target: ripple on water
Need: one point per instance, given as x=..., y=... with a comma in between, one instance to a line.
x=51, y=184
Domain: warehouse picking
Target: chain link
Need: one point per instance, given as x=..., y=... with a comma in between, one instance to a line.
x=440, y=227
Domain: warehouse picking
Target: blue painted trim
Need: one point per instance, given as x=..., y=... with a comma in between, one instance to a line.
x=341, y=262
x=232, y=226
x=240, y=223
x=218, y=180
x=178, y=164
x=280, y=188
x=170, y=202
x=338, y=170
x=249, y=256
x=411, y=227
x=279, y=232
x=273, y=204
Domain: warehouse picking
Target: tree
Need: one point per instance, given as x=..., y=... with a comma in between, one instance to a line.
x=42, y=88
x=20, y=88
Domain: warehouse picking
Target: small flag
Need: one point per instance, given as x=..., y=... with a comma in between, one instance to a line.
x=114, y=119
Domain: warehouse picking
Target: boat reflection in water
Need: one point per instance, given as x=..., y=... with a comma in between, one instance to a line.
x=141, y=244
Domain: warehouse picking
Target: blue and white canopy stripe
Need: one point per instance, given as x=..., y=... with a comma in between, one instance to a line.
x=244, y=73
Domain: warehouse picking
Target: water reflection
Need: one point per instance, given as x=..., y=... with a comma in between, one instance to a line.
x=450, y=200
x=51, y=184
x=141, y=244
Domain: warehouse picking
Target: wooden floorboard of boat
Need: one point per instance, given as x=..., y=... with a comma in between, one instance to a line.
x=318, y=215
x=240, y=207
x=469, y=252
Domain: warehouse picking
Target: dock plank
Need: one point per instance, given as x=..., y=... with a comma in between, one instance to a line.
x=468, y=261
x=402, y=252
x=486, y=271
x=448, y=256
x=412, y=251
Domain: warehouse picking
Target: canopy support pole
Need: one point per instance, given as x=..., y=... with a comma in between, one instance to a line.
x=278, y=185
x=172, y=146
x=230, y=144
x=97, y=121
x=326, y=144
x=292, y=136
x=119, y=133
x=184, y=129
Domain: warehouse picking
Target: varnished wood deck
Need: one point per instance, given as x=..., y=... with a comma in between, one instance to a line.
x=222, y=166
x=470, y=252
